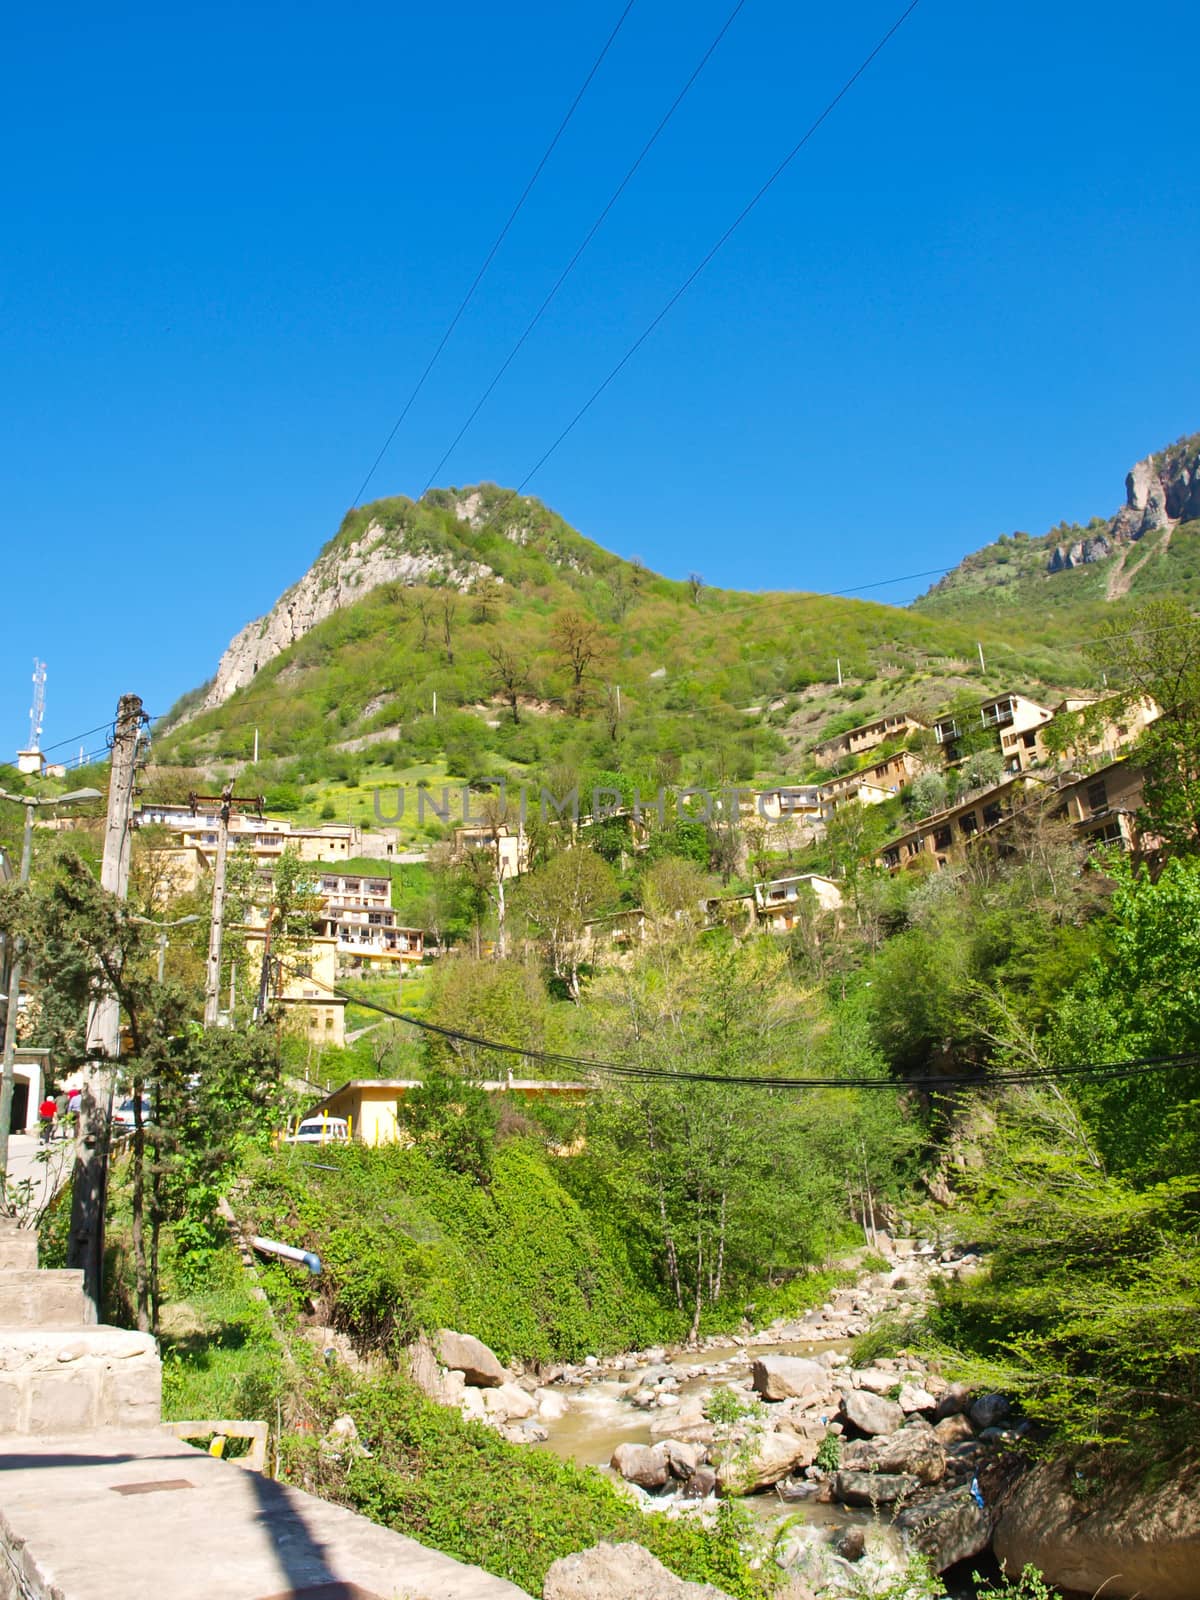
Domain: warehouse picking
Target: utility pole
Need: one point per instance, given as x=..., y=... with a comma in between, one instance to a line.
x=226, y=801
x=982, y=662
x=839, y=670
x=85, y=1248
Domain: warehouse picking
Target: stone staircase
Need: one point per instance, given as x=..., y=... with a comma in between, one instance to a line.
x=60, y=1372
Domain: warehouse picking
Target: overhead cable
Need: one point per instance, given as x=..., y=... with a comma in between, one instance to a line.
x=491, y=255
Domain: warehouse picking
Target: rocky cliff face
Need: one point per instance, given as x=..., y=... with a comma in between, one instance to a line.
x=1161, y=490
x=338, y=578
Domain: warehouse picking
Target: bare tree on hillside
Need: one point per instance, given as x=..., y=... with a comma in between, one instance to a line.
x=508, y=677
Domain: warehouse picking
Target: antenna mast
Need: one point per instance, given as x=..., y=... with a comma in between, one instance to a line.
x=37, y=711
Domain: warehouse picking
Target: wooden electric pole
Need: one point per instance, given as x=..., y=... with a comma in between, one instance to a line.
x=85, y=1247
x=225, y=803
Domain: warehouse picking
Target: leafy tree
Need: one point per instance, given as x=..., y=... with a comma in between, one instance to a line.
x=558, y=899
x=1155, y=655
x=580, y=644
x=454, y=1120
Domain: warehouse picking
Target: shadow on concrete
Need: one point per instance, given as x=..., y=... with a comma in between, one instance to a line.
x=301, y=1556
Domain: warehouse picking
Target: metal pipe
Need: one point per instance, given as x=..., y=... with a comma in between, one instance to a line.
x=289, y=1252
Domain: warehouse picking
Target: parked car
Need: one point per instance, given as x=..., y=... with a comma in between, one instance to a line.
x=123, y=1114
x=320, y=1130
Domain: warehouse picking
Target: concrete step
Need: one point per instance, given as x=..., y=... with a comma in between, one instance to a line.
x=77, y=1381
x=42, y=1299
x=18, y=1250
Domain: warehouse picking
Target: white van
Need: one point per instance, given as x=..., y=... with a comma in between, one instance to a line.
x=320, y=1130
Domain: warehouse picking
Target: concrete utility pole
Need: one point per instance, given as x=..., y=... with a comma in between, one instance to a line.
x=85, y=1247
x=225, y=801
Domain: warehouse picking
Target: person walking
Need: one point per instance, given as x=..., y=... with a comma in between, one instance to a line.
x=46, y=1114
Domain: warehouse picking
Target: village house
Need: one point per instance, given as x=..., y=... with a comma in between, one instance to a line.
x=370, y=1106
x=509, y=846
x=357, y=912
x=1096, y=733
x=265, y=838
x=857, y=741
x=943, y=838
x=780, y=902
x=1101, y=806
x=615, y=933
x=794, y=803
x=1013, y=714
x=303, y=986
x=870, y=785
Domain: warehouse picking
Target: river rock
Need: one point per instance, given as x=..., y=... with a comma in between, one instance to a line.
x=915, y=1451
x=954, y=1430
x=875, y=1380
x=913, y=1397
x=683, y=1457
x=649, y=1466
x=701, y=1484
x=551, y=1407
x=988, y=1410
x=869, y=1413
x=956, y=1399
x=619, y=1572
x=788, y=1377
x=871, y=1488
x=947, y=1528
x=462, y=1352
x=508, y=1402
x=1123, y=1538
x=762, y=1460
x=687, y=1421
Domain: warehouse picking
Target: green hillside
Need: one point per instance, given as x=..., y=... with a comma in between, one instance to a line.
x=714, y=685
x=1009, y=579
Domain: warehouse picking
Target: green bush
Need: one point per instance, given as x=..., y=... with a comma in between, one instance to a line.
x=459, y=1487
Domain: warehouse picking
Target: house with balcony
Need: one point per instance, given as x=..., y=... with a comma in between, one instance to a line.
x=1013, y=714
x=357, y=913
x=195, y=835
x=857, y=741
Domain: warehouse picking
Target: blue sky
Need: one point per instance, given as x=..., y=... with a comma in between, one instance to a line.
x=233, y=235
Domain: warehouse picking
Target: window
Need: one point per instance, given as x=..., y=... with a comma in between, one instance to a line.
x=1097, y=796
x=968, y=824
x=943, y=838
x=991, y=814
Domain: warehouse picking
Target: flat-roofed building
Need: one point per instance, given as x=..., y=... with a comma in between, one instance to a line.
x=857, y=741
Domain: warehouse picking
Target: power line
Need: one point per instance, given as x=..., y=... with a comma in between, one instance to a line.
x=586, y=240
x=701, y=265
x=491, y=255
x=1091, y=1071
x=722, y=240
x=78, y=738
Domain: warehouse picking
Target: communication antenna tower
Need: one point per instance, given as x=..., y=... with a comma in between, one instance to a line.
x=37, y=711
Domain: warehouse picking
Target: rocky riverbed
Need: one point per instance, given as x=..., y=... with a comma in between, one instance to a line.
x=867, y=1464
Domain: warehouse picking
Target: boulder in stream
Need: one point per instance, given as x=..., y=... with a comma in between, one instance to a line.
x=947, y=1528
x=462, y=1352
x=916, y=1451
x=872, y=1488
x=869, y=1413
x=649, y=1466
x=788, y=1377
x=761, y=1460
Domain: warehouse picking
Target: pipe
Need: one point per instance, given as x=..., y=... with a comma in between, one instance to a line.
x=289, y=1252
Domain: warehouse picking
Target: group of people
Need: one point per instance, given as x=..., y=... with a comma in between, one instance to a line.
x=55, y=1113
